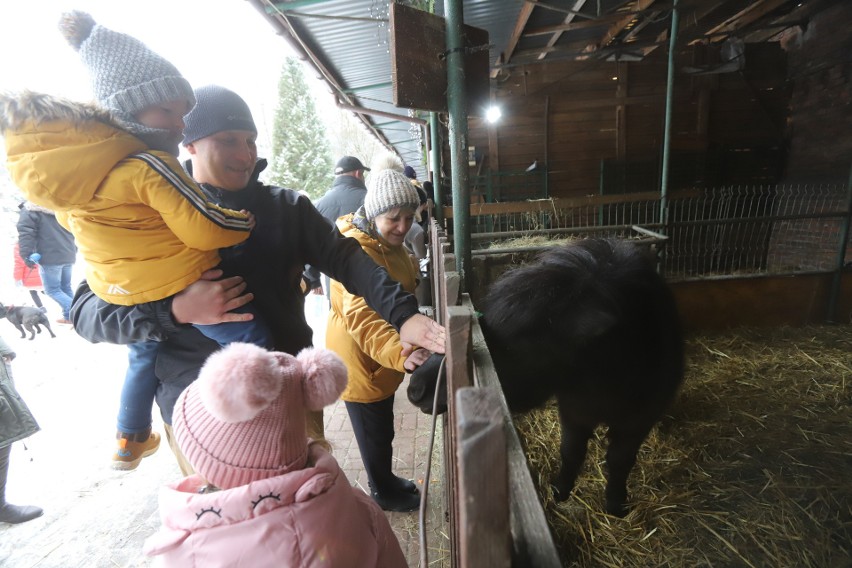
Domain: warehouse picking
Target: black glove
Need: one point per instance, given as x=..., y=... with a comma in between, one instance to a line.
x=29, y=263
x=421, y=385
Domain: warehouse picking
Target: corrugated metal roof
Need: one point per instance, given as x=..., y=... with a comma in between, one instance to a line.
x=348, y=41
x=498, y=17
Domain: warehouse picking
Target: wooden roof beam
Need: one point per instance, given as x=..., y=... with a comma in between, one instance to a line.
x=743, y=18
x=688, y=20
x=596, y=23
x=578, y=4
x=547, y=30
x=616, y=28
x=570, y=12
x=520, y=24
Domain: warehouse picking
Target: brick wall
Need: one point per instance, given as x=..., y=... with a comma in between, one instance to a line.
x=820, y=72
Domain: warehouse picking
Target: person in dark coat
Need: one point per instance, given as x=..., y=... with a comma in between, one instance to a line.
x=289, y=234
x=348, y=190
x=43, y=242
x=16, y=423
x=345, y=196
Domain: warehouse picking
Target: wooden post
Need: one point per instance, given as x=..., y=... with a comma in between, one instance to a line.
x=532, y=543
x=458, y=376
x=444, y=279
x=621, y=93
x=483, y=479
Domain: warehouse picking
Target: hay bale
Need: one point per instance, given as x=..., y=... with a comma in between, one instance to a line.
x=750, y=468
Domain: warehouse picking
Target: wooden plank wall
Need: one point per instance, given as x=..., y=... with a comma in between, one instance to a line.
x=569, y=116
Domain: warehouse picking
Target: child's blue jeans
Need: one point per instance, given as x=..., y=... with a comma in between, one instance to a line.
x=141, y=382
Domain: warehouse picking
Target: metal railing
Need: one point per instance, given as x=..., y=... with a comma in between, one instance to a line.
x=756, y=230
x=732, y=230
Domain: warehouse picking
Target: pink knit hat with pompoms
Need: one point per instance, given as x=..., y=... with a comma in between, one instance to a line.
x=243, y=419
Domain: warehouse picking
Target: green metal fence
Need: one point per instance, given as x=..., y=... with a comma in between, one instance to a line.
x=730, y=230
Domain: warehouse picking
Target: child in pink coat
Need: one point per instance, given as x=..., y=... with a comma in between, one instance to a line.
x=264, y=494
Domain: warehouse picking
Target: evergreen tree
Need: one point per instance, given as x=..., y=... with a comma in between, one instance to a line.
x=349, y=137
x=301, y=158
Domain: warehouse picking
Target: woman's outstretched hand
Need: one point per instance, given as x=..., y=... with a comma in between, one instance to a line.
x=424, y=332
x=416, y=357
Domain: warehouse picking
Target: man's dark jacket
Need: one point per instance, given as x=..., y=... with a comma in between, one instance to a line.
x=289, y=233
x=39, y=231
x=345, y=196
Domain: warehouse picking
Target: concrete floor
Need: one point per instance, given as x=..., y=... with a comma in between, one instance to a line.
x=96, y=517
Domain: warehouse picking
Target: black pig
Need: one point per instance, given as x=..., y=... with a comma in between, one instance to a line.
x=593, y=324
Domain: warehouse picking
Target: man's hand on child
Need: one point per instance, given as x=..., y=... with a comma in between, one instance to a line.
x=209, y=301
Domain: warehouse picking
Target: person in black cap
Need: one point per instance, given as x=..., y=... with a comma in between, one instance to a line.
x=345, y=196
x=350, y=165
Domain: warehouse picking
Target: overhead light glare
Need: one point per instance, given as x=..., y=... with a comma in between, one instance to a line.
x=493, y=114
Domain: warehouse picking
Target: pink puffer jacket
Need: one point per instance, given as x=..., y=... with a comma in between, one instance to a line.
x=307, y=518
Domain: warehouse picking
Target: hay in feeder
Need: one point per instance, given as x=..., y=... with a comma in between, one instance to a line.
x=751, y=467
x=531, y=241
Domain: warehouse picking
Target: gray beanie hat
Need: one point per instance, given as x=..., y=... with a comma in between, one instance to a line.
x=216, y=109
x=126, y=76
x=389, y=189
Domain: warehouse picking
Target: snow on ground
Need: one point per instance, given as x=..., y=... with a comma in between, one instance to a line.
x=93, y=516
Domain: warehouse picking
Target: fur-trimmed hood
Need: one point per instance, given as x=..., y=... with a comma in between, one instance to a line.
x=60, y=151
x=28, y=206
x=18, y=108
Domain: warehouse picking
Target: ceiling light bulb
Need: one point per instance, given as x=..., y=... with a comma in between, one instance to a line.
x=493, y=114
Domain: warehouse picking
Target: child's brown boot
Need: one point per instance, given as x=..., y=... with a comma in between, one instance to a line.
x=133, y=447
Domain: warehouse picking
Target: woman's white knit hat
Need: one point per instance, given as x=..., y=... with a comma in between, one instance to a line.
x=389, y=189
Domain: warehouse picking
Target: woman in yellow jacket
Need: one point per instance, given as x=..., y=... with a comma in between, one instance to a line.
x=369, y=346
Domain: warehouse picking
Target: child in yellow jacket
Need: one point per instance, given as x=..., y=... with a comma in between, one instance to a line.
x=110, y=171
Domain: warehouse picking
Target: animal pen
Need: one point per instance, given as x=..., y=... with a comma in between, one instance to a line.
x=788, y=241
x=749, y=467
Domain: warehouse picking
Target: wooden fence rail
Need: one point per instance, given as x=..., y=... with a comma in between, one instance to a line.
x=495, y=516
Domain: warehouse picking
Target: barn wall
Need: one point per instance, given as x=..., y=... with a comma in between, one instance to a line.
x=760, y=301
x=718, y=304
x=821, y=105
x=598, y=126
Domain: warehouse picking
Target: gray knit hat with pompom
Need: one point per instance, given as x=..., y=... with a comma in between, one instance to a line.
x=126, y=75
x=386, y=190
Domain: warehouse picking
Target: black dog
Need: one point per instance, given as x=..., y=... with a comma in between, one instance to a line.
x=595, y=325
x=26, y=317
